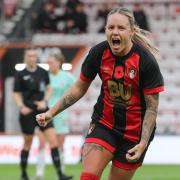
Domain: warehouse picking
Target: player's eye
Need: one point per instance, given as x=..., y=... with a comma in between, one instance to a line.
x=110, y=28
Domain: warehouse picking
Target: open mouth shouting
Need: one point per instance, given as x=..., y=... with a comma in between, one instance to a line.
x=115, y=44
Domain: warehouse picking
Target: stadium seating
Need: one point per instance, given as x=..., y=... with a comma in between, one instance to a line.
x=14, y=11
x=164, y=19
x=164, y=23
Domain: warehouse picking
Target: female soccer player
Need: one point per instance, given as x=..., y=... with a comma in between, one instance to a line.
x=60, y=81
x=124, y=117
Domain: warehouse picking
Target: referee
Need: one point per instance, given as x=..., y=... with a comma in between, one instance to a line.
x=31, y=92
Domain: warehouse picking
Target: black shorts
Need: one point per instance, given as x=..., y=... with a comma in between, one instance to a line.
x=119, y=146
x=28, y=123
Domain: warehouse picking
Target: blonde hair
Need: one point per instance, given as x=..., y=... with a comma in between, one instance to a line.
x=59, y=57
x=140, y=36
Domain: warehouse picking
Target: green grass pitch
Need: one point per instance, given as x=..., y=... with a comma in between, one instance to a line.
x=146, y=172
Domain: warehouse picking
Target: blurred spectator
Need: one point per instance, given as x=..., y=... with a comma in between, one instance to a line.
x=140, y=16
x=46, y=19
x=54, y=2
x=70, y=27
x=75, y=19
x=69, y=22
x=80, y=18
x=71, y=4
x=102, y=14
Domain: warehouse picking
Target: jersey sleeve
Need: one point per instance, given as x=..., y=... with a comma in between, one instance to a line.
x=152, y=79
x=89, y=66
x=17, y=83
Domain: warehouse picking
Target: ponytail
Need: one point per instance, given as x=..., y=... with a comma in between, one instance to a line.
x=141, y=36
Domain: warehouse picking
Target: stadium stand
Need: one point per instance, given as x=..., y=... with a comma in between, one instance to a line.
x=164, y=21
x=13, y=11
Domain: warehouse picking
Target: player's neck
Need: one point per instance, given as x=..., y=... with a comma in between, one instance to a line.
x=55, y=72
x=31, y=68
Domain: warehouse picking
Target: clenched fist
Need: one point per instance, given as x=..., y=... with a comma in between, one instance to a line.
x=44, y=118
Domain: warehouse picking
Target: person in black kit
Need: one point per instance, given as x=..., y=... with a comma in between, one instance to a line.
x=140, y=17
x=124, y=117
x=75, y=19
x=31, y=92
x=102, y=14
x=80, y=18
x=46, y=19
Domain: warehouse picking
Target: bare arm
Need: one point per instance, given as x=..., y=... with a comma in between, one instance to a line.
x=72, y=95
x=18, y=99
x=152, y=101
x=149, y=122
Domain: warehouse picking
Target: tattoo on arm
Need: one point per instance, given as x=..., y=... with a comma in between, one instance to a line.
x=88, y=148
x=150, y=116
x=68, y=101
x=72, y=95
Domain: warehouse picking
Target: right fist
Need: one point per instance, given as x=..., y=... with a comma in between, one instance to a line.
x=43, y=119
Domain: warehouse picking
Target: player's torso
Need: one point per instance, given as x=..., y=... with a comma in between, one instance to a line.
x=121, y=80
x=59, y=84
x=33, y=84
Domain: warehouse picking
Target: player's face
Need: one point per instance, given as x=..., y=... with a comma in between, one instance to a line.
x=53, y=64
x=31, y=58
x=119, y=34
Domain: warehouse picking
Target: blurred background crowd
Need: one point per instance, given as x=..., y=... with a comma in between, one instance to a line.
x=23, y=18
x=72, y=24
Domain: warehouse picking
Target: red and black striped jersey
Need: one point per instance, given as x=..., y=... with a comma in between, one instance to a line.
x=121, y=104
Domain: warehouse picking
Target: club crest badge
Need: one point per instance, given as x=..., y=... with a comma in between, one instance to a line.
x=132, y=72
